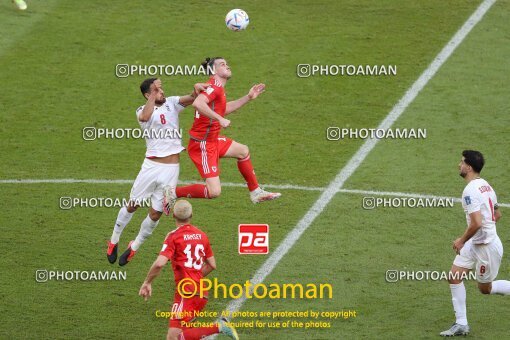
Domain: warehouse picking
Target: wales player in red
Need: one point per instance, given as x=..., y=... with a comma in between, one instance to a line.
x=207, y=146
x=189, y=250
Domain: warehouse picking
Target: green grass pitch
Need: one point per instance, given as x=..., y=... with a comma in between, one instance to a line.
x=57, y=62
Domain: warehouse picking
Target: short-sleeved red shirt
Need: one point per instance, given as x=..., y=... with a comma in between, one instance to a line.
x=187, y=247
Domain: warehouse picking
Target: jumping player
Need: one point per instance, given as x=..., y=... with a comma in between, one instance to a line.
x=189, y=250
x=206, y=146
x=160, y=117
x=479, y=248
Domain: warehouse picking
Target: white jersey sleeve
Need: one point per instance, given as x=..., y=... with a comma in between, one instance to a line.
x=174, y=101
x=139, y=111
x=472, y=199
x=479, y=196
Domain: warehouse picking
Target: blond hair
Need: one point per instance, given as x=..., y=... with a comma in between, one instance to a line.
x=182, y=210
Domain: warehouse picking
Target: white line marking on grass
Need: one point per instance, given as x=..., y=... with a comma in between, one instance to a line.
x=65, y=180
x=238, y=185
x=337, y=183
x=407, y=194
x=129, y=181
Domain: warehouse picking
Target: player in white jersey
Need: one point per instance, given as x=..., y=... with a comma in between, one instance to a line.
x=479, y=248
x=159, y=119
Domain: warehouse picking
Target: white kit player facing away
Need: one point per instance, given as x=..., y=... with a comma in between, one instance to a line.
x=159, y=118
x=479, y=248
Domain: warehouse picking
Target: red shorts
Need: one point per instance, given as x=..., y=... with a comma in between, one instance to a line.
x=183, y=309
x=206, y=155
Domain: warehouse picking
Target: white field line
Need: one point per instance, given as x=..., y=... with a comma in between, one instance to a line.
x=239, y=185
x=407, y=194
x=353, y=164
x=129, y=181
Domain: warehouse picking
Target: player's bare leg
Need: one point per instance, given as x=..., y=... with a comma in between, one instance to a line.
x=196, y=333
x=242, y=154
x=123, y=218
x=146, y=229
x=460, y=327
x=173, y=333
x=213, y=187
x=485, y=288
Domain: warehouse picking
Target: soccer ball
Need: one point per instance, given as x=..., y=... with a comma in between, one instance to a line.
x=237, y=20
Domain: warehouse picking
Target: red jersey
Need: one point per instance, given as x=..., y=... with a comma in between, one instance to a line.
x=187, y=247
x=205, y=128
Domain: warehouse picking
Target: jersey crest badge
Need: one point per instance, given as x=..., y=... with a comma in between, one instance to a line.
x=467, y=199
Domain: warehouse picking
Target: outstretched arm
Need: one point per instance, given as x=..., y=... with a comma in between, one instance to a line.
x=252, y=94
x=188, y=99
x=146, y=289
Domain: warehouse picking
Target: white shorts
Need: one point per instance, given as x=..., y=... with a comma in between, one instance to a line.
x=486, y=258
x=151, y=180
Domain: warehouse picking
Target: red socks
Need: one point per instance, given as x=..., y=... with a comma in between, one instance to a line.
x=200, y=190
x=246, y=169
x=199, y=332
x=192, y=191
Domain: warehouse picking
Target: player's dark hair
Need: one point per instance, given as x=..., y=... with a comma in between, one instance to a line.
x=208, y=64
x=145, y=86
x=474, y=159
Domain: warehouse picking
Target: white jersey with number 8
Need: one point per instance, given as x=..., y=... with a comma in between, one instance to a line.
x=163, y=129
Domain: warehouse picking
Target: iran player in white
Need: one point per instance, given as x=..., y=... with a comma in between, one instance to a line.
x=479, y=248
x=159, y=118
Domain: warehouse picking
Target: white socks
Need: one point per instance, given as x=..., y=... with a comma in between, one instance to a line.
x=459, y=302
x=148, y=225
x=122, y=220
x=501, y=287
